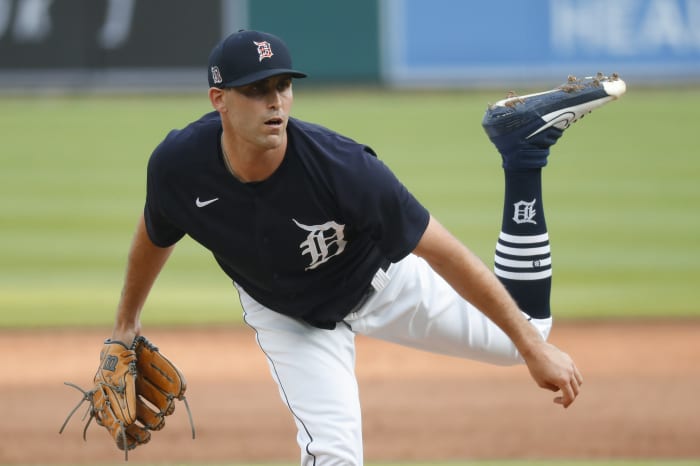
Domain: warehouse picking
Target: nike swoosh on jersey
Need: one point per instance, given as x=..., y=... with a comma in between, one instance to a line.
x=205, y=203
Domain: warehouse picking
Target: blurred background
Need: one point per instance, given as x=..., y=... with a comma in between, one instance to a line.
x=162, y=45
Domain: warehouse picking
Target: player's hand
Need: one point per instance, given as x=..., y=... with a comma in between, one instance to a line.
x=554, y=370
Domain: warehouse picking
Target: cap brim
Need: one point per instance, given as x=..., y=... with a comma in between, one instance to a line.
x=263, y=74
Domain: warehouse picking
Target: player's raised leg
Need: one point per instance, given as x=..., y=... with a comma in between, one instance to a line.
x=523, y=128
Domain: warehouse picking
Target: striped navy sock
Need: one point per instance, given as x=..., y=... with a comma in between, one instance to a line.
x=523, y=260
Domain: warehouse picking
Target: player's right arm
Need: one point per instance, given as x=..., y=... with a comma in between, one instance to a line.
x=550, y=367
x=145, y=262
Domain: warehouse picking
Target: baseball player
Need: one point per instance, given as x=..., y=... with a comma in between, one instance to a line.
x=323, y=242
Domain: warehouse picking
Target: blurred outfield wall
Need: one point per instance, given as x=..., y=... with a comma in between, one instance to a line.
x=162, y=45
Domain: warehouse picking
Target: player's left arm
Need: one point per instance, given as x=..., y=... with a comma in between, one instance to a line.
x=473, y=280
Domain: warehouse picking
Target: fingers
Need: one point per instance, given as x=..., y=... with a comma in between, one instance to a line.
x=554, y=370
x=577, y=374
x=570, y=388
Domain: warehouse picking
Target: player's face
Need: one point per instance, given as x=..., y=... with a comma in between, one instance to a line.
x=258, y=112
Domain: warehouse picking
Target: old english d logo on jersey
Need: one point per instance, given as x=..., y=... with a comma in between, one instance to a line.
x=264, y=50
x=323, y=242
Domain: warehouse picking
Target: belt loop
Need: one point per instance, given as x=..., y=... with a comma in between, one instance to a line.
x=381, y=278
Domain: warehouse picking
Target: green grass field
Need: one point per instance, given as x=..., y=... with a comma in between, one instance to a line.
x=622, y=197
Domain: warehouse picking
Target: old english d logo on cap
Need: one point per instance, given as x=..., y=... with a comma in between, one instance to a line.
x=244, y=57
x=264, y=50
x=216, y=75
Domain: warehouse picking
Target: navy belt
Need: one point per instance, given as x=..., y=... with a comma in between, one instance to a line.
x=385, y=264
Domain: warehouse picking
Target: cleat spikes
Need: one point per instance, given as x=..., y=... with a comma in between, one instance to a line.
x=524, y=127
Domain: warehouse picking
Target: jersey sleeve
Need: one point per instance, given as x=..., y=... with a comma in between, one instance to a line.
x=161, y=230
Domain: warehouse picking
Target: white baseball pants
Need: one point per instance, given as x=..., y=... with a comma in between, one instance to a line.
x=315, y=368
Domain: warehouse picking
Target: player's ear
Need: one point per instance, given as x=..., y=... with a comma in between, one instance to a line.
x=216, y=97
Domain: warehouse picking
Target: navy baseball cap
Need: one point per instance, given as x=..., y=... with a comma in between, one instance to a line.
x=248, y=56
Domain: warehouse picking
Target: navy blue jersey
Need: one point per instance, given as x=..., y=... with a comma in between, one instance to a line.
x=306, y=241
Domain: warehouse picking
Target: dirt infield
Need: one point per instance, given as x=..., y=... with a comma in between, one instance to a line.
x=640, y=400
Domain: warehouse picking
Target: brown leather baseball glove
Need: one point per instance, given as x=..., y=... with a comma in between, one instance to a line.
x=135, y=388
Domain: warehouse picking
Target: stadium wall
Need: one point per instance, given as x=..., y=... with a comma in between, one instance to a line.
x=162, y=45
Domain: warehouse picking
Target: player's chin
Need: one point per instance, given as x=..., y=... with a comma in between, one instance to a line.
x=271, y=140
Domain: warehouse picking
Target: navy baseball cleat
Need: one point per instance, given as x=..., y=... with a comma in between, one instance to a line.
x=524, y=127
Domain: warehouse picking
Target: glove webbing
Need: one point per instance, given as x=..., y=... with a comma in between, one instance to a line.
x=87, y=396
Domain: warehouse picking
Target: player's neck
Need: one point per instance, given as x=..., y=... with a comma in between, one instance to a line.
x=250, y=163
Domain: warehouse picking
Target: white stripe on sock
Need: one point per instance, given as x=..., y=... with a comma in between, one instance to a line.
x=523, y=251
x=523, y=275
x=522, y=264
